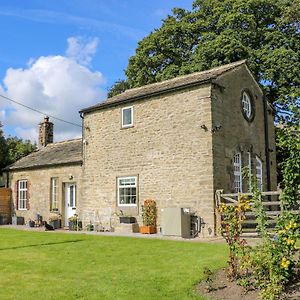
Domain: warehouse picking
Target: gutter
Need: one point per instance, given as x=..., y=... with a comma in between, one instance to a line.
x=267, y=153
x=143, y=96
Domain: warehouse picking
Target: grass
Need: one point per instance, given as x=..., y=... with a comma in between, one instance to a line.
x=48, y=265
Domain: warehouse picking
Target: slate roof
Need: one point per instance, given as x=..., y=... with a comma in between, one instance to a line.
x=165, y=86
x=62, y=153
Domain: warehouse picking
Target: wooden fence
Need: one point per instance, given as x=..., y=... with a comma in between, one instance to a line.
x=270, y=201
x=5, y=205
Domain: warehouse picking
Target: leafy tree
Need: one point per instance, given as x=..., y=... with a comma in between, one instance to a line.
x=17, y=148
x=12, y=149
x=2, y=148
x=119, y=87
x=288, y=155
x=216, y=32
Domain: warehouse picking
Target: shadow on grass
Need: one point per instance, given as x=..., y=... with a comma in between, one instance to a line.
x=43, y=244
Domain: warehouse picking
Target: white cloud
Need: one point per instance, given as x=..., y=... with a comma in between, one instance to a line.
x=82, y=50
x=57, y=85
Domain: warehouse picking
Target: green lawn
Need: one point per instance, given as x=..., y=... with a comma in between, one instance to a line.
x=51, y=265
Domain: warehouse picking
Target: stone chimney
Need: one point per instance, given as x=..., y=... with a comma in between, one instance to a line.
x=45, y=133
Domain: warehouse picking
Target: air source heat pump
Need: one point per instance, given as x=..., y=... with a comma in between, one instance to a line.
x=176, y=221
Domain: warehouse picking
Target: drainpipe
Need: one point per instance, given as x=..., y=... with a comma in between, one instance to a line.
x=267, y=153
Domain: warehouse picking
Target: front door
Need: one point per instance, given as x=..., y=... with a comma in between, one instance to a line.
x=70, y=201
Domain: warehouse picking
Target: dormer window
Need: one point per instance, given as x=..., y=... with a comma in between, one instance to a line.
x=127, y=117
x=247, y=106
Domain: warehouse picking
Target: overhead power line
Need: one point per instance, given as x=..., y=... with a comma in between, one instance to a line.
x=40, y=112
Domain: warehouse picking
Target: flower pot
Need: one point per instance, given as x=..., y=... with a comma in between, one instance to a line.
x=55, y=224
x=31, y=223
x=74, y=227
x=127, y=220
x=148, y=229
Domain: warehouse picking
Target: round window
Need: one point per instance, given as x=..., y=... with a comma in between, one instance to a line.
x=247, y=106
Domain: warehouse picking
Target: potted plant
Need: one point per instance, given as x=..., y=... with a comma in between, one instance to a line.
x=126, y=219
x=31, y=223
x=55, y=221
x=149, y=217
x=74, y=223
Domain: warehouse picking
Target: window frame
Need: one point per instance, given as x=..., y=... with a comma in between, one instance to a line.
x=249, y=117
x=23, y=200
x=122, y=117
x=237, y=185
x=131, y=186
x=54, y=193
x=260, y=169
x=249, y=170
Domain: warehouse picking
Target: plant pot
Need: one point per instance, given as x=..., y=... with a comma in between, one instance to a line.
x=73, y=226
x=17, y=220
x=55, y=224
x=31, y=223
x=148, y=229
x=127, y=220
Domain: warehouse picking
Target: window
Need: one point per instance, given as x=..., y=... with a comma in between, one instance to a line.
x=127, y=117
x=259, y=175
x=249, y=171
x=54, y=194
x=22, y=194
x=247, y=106
x=237, y=172
x=127, y=191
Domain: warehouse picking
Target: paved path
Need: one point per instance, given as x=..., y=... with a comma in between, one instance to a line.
x=134, y=235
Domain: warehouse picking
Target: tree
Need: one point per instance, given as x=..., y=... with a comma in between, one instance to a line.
x=12, y=149
x=2, y=148
x=119, y=87
x=216, y=32
x=17, y=148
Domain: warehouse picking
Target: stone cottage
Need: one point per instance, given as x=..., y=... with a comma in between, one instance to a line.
x=177, y=142
x=47, y=181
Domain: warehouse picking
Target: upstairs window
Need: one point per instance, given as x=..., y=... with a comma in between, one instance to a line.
x=127, y=117
x=259, y=173
x=54, y=194
x=247, y=106
x=237, y=172
x=22, y=194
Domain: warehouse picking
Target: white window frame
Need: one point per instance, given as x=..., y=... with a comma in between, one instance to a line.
x=246, y=105
x=131, y=111
x=22, y=194
x=237, y=173
x=54, y=194
x=259, y=173
x=249, y=170
x=130, y=185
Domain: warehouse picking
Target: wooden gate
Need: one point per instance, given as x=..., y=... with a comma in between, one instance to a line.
x=5, y=205
x=270, y=201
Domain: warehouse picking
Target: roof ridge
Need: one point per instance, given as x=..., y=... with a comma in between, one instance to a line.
x=164, y=86
x=225, y=67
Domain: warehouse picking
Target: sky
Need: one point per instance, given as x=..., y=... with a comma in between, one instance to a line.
x=59, y=56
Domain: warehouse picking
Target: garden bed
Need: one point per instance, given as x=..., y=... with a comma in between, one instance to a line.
x=223, y=289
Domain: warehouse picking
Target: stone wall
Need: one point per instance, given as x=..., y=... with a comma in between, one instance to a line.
x=167, y=149
x=39, y=189
x=236, y=133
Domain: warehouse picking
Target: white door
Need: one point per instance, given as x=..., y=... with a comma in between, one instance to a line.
x=70, y=201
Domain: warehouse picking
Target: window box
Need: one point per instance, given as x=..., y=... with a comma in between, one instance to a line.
x=127, y=220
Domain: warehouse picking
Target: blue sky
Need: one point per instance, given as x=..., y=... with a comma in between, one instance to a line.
x=62, y=55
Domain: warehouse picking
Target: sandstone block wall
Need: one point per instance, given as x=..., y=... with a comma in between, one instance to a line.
x=39, y=189
x=166, y=149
